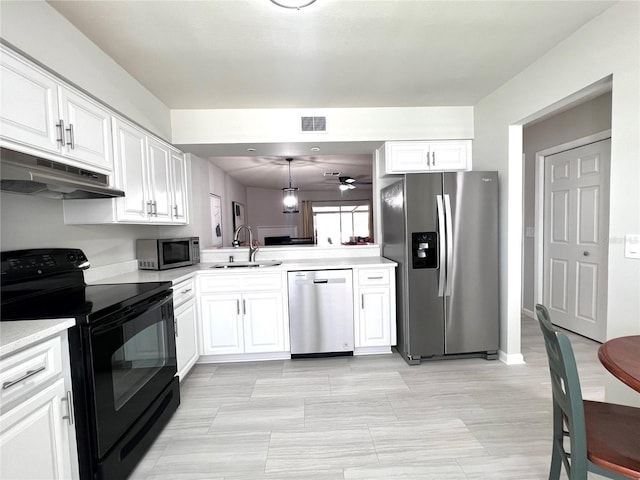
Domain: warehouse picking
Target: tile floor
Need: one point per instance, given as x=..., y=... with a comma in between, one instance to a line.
x=374, y=417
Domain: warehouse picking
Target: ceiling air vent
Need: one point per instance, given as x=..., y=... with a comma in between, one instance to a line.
x=314, y=124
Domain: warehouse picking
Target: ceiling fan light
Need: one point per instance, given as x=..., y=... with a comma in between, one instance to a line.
x=297, y=4
x=350, y=180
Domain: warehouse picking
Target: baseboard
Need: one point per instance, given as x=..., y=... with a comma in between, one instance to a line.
x=512, y=359
x=528, y=313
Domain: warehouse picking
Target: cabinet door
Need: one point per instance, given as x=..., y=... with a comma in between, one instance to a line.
x=179, y=187
x=186, y=337
x=87, y=130
x=451, y=156
x=131, y=175
x=29, y=109
x=406, y=157
x=374, y=322
x=221, y=322
x=34, y=438
x=263, y=322
x=158, y=161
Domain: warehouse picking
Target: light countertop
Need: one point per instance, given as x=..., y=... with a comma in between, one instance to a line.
x=177, y=275
x=19, y=334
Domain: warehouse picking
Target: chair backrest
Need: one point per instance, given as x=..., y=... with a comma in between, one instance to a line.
x=568, y=408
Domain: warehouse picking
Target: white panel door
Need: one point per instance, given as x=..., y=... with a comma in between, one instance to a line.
x=263, y=322
x=131, y=174
x=159, y=158
x=87, y=130
x=450, y=156
x=29, y=112
x=34, y=439
x=374, y=325
x=221, y=321
x=576, y=206
x=186, y=337
x=179, y=187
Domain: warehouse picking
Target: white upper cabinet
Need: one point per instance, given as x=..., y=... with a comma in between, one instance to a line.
x=29, y=110
x=179, y=187
x=87, y=130
x=41, y=116
x=427, y=156
x=153, y=177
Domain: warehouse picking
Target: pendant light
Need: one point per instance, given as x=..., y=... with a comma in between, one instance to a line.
x=290, y=195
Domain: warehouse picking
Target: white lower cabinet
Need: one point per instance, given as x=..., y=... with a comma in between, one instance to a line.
x=185, y=317
x=37, y=438
x=186, y=337
x=243, y=314
x=375, y=310
x=242, y=323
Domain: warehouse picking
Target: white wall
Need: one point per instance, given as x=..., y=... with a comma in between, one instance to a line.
x=34, y=222
x=586, y=119
x=343, y=124
x=608, y=45
x=41, y=32
x=229, y=190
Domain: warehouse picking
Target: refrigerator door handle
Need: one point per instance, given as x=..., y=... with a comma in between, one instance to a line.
x=449, y=229
x=442, y=247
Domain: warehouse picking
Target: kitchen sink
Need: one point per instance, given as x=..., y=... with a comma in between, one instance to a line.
x=269, y=263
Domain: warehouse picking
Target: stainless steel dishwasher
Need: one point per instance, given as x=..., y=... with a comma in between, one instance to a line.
x=321, y=313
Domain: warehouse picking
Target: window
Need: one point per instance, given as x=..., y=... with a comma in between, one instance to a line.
x=340, y=222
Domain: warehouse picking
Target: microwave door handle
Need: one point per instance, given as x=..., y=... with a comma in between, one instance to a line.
x=442, y=247
x=449, y=222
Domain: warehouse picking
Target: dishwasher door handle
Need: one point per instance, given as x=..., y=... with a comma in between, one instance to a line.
x=321, y=281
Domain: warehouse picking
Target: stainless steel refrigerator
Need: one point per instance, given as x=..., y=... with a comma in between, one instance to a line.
x=442, y=230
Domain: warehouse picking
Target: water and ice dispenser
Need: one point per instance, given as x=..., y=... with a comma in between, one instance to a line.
x=424, y=249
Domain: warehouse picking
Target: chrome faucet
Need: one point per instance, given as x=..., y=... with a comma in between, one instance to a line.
x=252, y=249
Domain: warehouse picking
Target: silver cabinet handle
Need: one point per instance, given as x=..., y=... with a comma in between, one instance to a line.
x=586, y=254
x=362, y=301
x=244, y=306
x=186, y=291
x=149, y=208
x=61, y=127
x=433, y=159
x=175, y=209
x=375, y=278
x=72, y=142
x=69, y=400
x=30, y=373
x=154, y=204
x=238, y=306
x=428, y=154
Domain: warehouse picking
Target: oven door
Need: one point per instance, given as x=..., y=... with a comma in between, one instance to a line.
x=132, y=359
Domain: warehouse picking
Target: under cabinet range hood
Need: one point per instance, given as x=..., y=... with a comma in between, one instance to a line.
x=30, y=175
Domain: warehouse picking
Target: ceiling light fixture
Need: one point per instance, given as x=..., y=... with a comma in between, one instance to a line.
x=290, y=195
x=297, y=4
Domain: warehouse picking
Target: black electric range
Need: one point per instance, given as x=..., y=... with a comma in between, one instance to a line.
x=121, y=349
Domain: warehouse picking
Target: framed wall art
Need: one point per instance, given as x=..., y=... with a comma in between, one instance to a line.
x=216, y=219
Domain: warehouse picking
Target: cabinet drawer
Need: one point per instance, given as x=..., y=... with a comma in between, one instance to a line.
x=240, y=283
x=379, y=276
x=183, y=291
x=25, y=371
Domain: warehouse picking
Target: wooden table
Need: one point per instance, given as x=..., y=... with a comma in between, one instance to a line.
x=621, y=356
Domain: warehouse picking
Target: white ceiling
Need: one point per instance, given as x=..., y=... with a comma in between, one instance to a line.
x=334, y=53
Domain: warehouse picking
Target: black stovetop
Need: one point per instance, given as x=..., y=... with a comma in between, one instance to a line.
x=40, y=284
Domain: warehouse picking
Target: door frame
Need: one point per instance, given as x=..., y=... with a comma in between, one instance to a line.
x=538, y=253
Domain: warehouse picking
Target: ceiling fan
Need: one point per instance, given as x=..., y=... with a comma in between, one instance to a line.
x=347, y=182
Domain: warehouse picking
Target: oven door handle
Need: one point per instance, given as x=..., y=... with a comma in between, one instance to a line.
x=122, y=317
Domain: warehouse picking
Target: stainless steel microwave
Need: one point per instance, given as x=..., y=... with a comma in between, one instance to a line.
x=165, y=253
